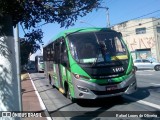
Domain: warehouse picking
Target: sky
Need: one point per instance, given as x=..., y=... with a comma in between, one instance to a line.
x=119, y=11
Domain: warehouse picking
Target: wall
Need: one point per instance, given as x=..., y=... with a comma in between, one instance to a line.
x=150, y=39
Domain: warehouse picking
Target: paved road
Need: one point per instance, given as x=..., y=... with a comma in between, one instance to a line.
x=147, y=98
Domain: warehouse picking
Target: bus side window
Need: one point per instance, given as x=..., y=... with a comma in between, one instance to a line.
x=64, y=57
x=48, y=54
x=52, y=54
x=57, y=52
x=44, y=54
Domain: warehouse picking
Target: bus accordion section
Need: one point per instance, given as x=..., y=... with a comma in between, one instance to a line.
x=90, y=63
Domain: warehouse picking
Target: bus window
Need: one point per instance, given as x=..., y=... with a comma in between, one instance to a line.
x=64, y=57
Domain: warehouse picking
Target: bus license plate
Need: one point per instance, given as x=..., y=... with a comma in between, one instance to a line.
x=112, y=87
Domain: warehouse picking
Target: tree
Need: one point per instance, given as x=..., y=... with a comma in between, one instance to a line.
x=30, y=13
x=30, y=41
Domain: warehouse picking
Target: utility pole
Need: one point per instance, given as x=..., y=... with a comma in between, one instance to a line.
x=18, y=64
x=107, y=14
x=108, y=20
x=42, y=48
x=9, y=85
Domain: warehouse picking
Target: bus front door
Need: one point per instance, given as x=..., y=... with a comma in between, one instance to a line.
x=58, y=66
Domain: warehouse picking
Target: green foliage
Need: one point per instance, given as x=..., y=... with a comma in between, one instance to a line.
x=31, y=13
x=29, y=44
x=25, y=51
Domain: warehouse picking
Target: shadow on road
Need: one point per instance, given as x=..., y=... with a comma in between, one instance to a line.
x=144, y=92
x=100, y=106
x=104, y=102
x=38, y=78
x=107, y=103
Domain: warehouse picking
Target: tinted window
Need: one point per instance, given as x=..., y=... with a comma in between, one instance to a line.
x=40, y=58
x=158, y=29
x=140, y=30
x=146, y=61
x=137, y=61
x=96, y=46
x=48, y=53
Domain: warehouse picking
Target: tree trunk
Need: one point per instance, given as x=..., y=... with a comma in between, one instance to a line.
x=9, y=87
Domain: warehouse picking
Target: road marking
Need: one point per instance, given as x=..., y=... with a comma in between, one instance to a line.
x=143, y=102
x=144, y=74
x=40, y=100
x=145, y=71
x=155, y=84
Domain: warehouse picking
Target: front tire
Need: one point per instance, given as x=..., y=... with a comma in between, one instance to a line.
x=49, y=79
x=157, y=68
x=68, y=95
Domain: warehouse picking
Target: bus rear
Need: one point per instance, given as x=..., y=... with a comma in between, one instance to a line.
x=39, y=63
x=100, y=65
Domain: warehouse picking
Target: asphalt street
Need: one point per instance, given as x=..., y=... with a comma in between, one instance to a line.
x=145, y=101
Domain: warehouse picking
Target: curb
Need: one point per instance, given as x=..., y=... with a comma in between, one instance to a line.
x=40, y=100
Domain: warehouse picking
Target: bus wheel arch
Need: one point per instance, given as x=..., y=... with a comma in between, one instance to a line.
x=67, y=92
x=49, y=78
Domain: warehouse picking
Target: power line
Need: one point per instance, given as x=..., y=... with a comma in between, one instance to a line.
x=93, y=16
x=140, y=16
x=137, y=7
x=141, y=24
x=147, y=28
x=146, y=14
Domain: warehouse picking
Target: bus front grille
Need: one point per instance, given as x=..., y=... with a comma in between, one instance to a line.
x=110, y=92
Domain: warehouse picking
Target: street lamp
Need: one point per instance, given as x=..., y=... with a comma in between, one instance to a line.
x=81, y=21
x=107, y=13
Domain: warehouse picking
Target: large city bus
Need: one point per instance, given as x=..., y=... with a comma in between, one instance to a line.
x=39, y=63
x=89, y=63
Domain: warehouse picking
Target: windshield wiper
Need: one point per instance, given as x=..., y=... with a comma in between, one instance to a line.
x=101, y=50
x=95, y=61
x=98, y=50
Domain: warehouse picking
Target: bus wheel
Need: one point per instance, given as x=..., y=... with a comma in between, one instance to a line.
x=49, y=78
x=68, y=95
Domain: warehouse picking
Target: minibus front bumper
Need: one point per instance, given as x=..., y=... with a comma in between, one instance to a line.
x=88, y=90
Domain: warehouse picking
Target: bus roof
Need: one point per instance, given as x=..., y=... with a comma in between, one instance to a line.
x=74, y=30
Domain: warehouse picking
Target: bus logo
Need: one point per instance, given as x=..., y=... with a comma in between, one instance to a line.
x=118, y=69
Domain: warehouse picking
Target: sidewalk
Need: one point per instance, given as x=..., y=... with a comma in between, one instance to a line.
x=30, y=101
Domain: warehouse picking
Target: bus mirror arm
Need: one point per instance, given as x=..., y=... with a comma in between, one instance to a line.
x=120, y=34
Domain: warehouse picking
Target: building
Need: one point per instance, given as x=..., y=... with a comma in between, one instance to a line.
x=142, y=37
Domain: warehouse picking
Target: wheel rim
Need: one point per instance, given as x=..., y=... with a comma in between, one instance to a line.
x=158, y=68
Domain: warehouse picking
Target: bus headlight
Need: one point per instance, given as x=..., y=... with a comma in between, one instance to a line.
x=83, y=89
x=77, y=76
